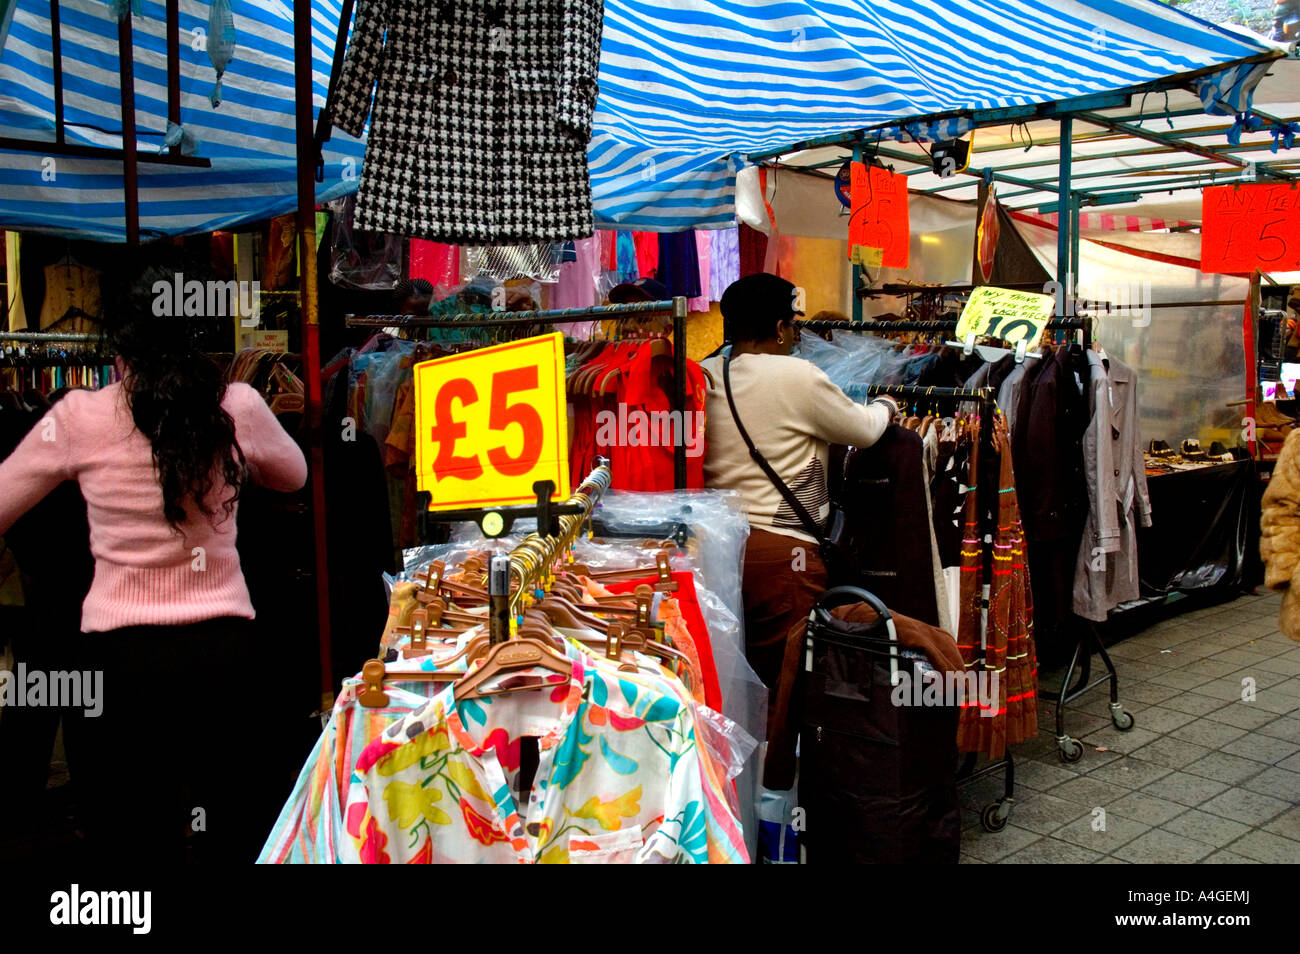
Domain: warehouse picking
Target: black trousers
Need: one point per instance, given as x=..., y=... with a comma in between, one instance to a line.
x=179, y=765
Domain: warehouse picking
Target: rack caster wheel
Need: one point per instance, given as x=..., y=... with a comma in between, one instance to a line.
x=995, y=814
x=1123, y=720
x=1071, y=750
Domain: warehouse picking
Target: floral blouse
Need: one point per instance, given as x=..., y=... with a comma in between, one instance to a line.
x=620, y=778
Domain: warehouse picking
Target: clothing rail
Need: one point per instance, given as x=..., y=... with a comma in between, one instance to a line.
x=492, y=319
x=503, y=319
x=533, y=558
x=914, y=390
x=937, y=325
x=904, y=289
x=41, y=337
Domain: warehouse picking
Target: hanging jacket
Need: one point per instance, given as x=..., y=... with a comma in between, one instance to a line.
x=482, y=114
x=1107, y=570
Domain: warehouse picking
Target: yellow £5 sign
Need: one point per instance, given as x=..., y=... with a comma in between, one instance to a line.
x=1013, y=316
x=490, y=423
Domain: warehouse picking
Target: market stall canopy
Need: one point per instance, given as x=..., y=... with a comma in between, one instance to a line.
x=687, y=89
x=1135, y=168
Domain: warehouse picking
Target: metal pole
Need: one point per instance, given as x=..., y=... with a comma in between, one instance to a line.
x=56, y=47
x=174, y=67
x=130, y=171
x=857, y=269
x=679, y=389
x=306, y=221
x=323, y=122
x=1063, y=229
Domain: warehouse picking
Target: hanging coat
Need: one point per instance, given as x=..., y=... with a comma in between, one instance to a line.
x=1115, y=467
x=482, y=114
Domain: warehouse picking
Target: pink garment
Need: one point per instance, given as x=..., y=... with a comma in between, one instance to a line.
x=435, y=262
x=145, y=573
x=702, y=247
x=579, y=280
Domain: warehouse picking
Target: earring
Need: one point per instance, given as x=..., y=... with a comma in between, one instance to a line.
x=780, y=338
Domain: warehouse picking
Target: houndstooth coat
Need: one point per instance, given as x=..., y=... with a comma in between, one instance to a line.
x=481, y=119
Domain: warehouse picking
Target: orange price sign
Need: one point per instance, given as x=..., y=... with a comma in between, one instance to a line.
x=490, y=423
x=1244, y=227
x=878, y=218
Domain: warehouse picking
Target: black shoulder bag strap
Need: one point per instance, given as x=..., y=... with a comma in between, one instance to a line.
x=810, y=525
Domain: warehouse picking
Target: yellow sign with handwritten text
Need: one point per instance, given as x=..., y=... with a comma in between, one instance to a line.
x=489, y=423
x=1013, y=316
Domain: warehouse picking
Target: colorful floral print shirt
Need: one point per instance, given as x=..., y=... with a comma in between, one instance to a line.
x=619, y=779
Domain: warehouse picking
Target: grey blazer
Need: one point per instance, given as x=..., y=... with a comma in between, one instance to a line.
x=481, y=117
x=1106, y=573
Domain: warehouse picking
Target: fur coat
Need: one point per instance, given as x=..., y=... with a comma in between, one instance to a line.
x=1279, y=542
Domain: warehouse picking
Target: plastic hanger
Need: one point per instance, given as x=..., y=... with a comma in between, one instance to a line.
x=512, y=655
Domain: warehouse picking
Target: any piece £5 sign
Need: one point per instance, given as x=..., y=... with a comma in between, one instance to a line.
x=490, y=423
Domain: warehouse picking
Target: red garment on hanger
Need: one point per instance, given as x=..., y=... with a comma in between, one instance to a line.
x=689, y=604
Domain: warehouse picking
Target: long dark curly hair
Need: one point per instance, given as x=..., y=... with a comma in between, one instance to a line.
x=175, y=392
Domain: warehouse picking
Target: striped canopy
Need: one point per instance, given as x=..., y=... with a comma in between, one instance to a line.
x=688, y=88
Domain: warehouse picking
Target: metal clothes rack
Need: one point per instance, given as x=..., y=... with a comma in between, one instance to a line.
x=1088, y=640
x=54, y=337
x=558, y=316
x=995, y=815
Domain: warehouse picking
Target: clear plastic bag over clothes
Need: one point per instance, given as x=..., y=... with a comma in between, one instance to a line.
x=384, y=376
x=715, y=520
x=369, y=260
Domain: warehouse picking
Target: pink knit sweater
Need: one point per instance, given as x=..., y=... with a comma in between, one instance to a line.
x=145, y=572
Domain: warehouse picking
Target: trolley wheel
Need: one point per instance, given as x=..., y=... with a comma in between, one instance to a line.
x=1123, y=720
x=995, y=814
x=1071, y=750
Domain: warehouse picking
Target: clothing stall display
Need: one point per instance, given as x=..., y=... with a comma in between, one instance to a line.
x=616, y=758
x=481, y=118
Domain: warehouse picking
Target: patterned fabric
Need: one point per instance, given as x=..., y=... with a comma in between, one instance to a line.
x=618, y=779
x=481, y=117
x=1008, y=643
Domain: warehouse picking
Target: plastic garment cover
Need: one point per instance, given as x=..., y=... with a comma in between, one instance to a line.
x=385, y=375
x=540, y=260
x=220, y=43
x=181, y=136
x=120, y=8
x=855, y=361
x=369, y=260
x=715, y=519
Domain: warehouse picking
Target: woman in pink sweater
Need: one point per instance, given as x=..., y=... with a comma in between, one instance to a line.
x=160, y=458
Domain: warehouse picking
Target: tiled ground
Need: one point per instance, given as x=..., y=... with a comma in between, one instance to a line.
x=1203, y=777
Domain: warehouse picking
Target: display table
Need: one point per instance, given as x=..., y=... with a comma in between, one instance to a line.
x=1204, y=537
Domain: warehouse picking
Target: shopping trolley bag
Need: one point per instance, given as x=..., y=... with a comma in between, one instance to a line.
x=877, y=773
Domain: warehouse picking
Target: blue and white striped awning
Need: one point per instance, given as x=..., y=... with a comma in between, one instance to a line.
x=249, y=138
x=687, y=88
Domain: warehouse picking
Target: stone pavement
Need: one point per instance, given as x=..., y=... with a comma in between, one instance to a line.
x=1203, y=777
